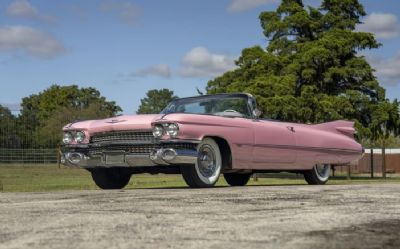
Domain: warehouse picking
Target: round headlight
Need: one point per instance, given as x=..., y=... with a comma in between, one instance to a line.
x=172, y=130
x=158, y=131
x=67, y=138
x=79, y=136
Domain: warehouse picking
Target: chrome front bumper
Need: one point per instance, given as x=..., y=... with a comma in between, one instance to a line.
x=165, y=156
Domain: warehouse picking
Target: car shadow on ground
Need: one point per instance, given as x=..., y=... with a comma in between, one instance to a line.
x=219, y=187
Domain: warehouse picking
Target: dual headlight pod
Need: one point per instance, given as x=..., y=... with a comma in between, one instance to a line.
x=69, y=136
x=170, y=129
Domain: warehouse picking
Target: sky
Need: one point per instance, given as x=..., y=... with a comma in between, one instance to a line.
x=125, y=48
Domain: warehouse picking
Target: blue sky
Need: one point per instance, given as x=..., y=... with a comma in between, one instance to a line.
x=125, y=48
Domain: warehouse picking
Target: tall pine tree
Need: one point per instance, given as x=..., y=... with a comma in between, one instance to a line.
x=311, y=71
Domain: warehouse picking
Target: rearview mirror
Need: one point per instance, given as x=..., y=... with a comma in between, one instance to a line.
x=257, y=113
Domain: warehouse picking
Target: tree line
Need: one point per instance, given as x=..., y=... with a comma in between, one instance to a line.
x=42, y=116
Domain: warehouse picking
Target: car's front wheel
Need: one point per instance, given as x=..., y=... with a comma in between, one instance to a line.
x=318, y=175
x=110, y=178
x=206, y=171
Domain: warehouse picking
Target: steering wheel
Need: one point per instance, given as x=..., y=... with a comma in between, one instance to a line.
x=230, y=110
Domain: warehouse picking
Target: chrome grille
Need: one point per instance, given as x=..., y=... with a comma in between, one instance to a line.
x=144, y=149
x=182, y=146
x=122, y=136
x=132, y=149
x=132, y=142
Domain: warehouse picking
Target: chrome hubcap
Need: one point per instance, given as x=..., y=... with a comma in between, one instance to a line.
x=322, y=170
x=206, y=161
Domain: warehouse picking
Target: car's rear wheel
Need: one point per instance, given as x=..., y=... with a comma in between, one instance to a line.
x=237, y=179
x=318, y=175
x=206, y=171
x=110, y=178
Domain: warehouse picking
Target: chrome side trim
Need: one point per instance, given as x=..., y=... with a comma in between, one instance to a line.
x=295, y=147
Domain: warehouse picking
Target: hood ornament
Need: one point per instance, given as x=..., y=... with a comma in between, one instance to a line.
x=114, y=121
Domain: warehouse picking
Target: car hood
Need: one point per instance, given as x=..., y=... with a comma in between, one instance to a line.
x=125, y=122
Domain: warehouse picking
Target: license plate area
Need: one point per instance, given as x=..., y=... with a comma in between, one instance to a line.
x=114, y=158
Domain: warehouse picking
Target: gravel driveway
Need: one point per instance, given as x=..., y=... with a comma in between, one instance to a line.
x=348, y=216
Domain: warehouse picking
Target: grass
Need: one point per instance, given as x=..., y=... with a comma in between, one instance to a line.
x=34, y=178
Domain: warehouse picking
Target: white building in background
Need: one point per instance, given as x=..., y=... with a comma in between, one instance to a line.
x=379, y=151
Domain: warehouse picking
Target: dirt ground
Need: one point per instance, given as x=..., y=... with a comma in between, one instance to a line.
x=347, y=216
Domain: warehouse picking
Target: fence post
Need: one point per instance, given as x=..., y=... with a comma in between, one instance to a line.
x=349, y=172
x=58, y=156
x=383, y=159
x=372, y=162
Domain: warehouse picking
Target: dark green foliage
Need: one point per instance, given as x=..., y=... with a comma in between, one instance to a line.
x=41, y=106
x=43, y=115
x=155, y=101
x=8, y=134
x=311, y=71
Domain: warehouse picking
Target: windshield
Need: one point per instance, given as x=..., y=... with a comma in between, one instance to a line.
x=212, y=105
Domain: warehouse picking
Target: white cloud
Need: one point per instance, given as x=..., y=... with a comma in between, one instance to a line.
x=383, y=25
x=160, y=70
x=242, y=5
x=126, y=11
x=22, y=8
x=30, y=41
x=387, y=69
x=199, y=62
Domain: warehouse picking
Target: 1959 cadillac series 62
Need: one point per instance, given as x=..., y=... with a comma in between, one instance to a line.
x=205, y=136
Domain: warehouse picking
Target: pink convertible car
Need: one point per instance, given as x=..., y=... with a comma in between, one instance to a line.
x=203, y=137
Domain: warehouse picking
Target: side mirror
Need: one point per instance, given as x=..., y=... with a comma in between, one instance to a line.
x=257, y=113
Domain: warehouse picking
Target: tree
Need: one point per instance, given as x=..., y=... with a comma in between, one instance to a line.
x=155, y=101
x=43, y=114
x=8, y=129
x=42, y=105
x=311, y=70
x=50, y=133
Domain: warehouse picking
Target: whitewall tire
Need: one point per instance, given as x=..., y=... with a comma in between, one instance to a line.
x=318, y=175
x=207, y=169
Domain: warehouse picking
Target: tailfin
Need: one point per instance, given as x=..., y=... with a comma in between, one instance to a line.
x=342, y=126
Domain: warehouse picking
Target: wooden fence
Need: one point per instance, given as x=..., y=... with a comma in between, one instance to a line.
x=363, y=166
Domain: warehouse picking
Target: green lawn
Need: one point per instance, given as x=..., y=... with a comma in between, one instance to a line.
x=32, y=178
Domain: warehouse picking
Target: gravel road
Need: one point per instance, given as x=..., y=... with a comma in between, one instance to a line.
x=348, y=216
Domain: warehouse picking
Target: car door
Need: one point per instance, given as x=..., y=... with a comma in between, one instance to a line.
x=274, y=142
